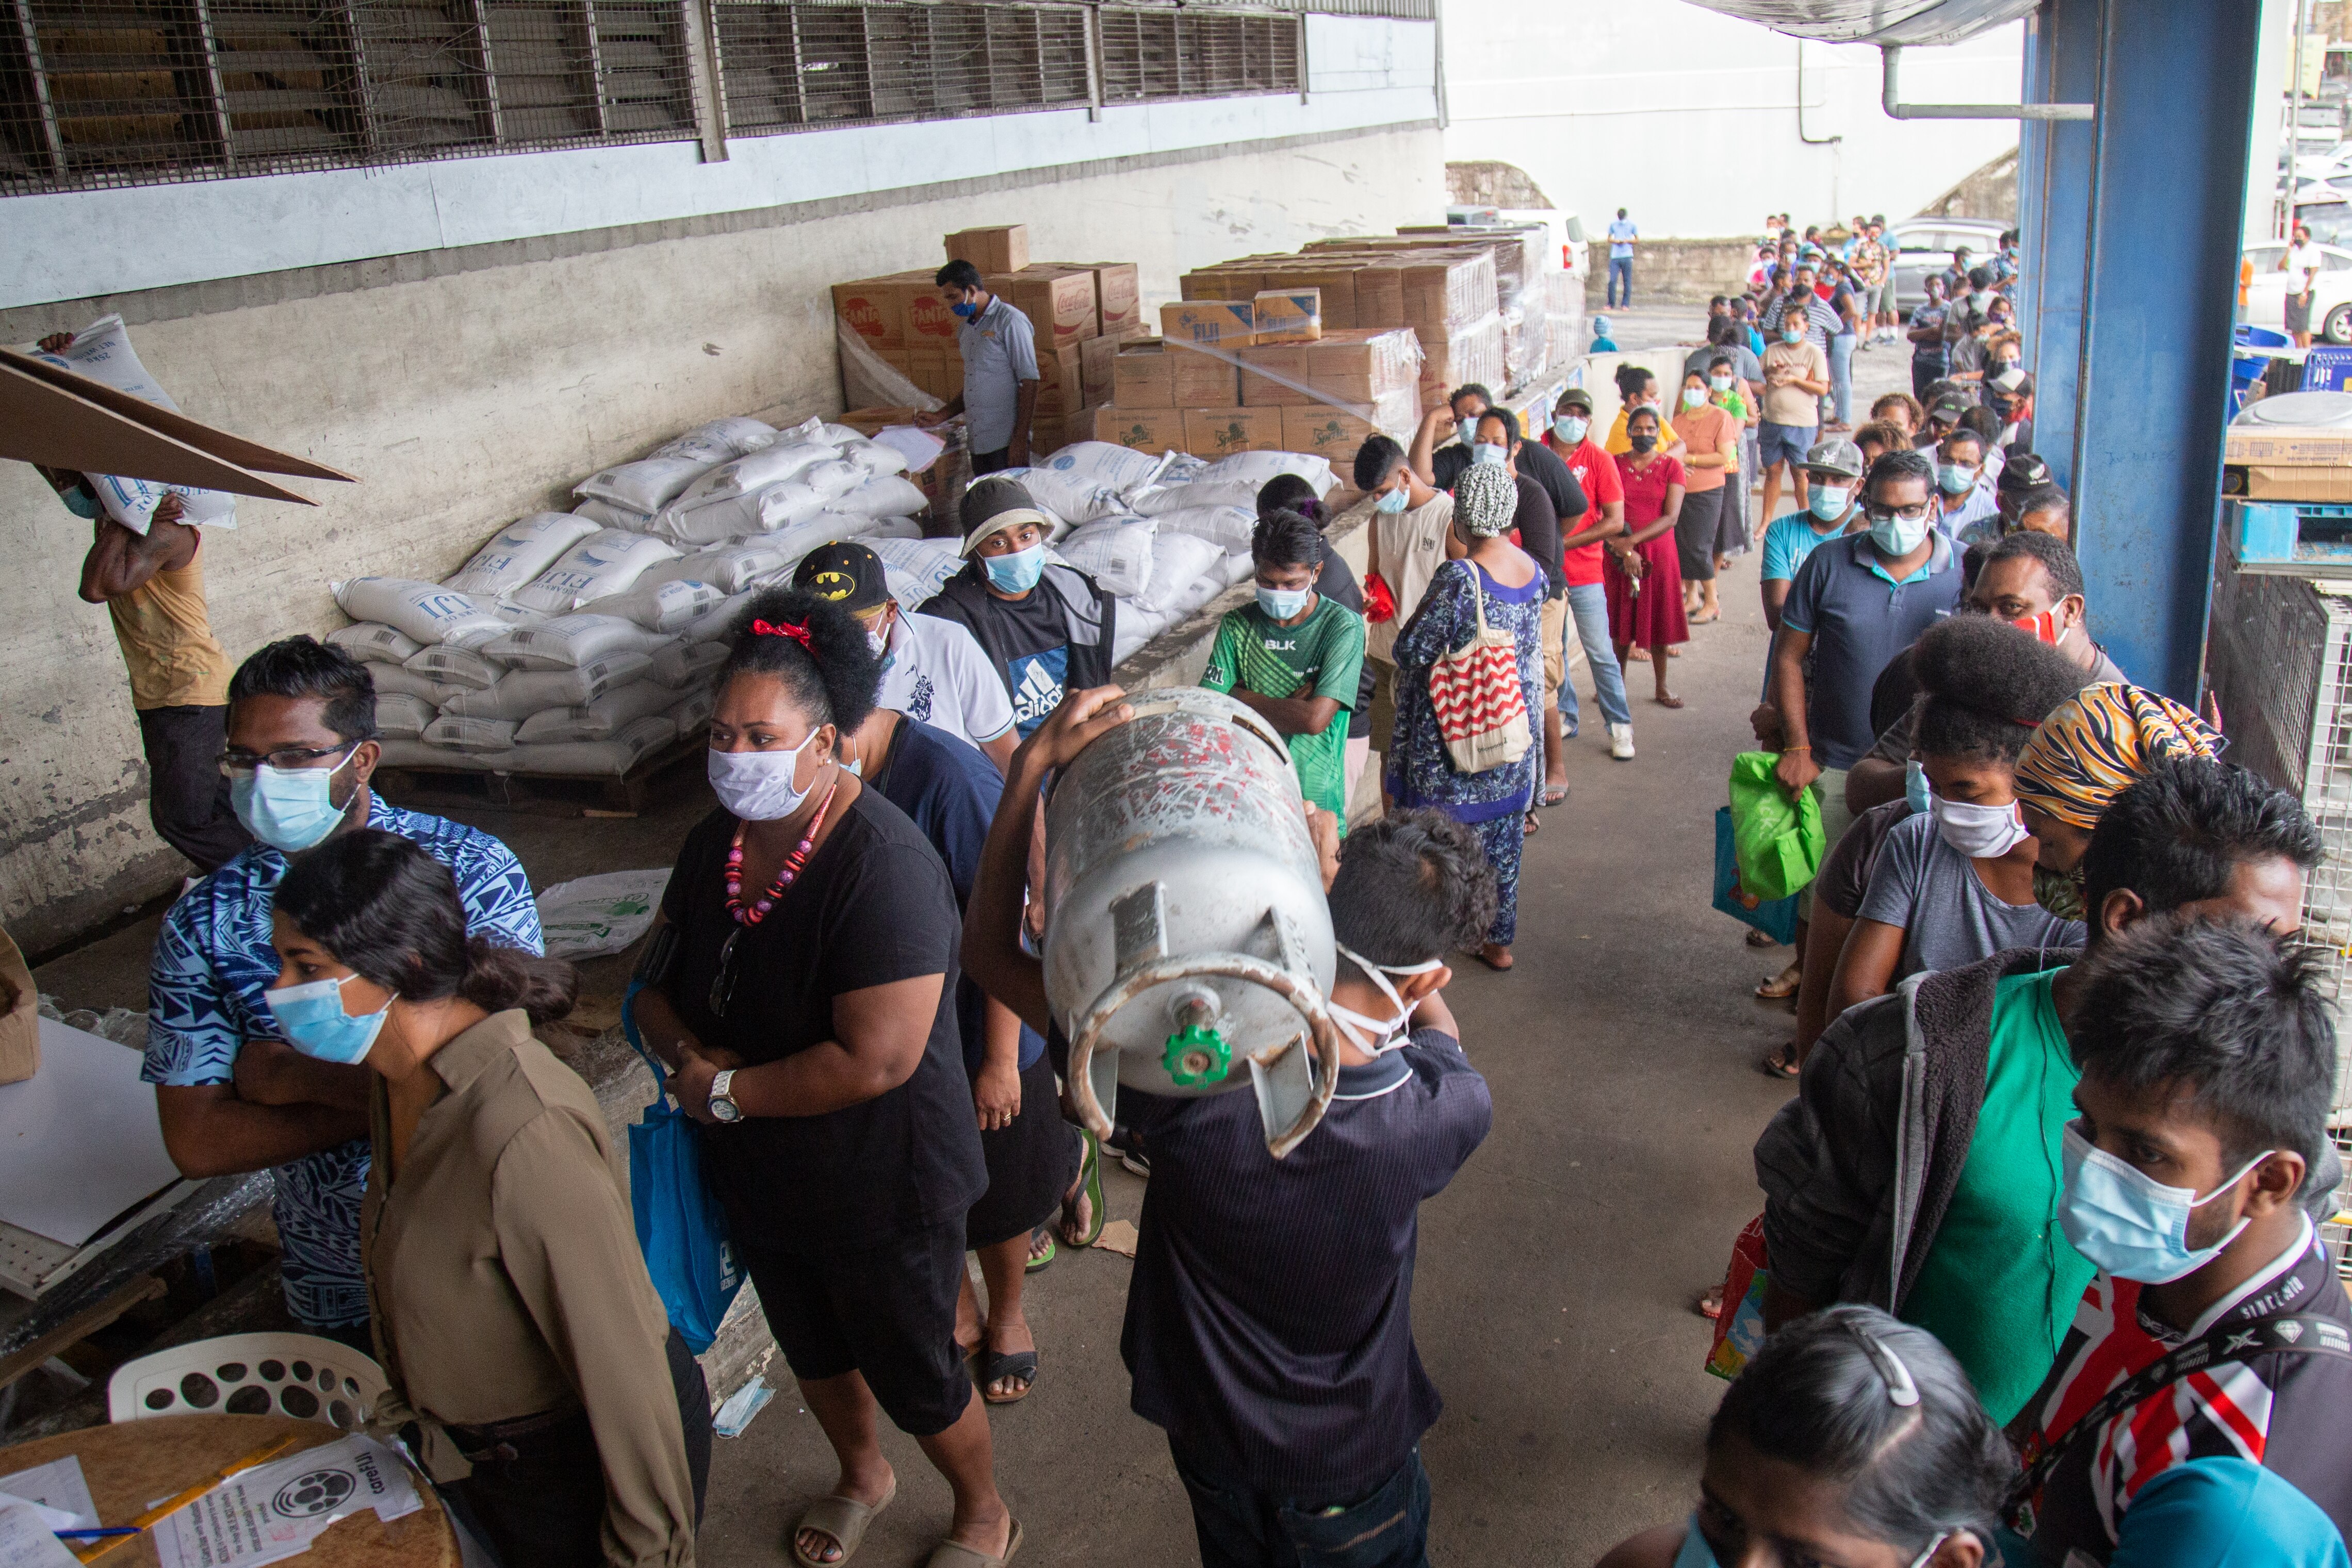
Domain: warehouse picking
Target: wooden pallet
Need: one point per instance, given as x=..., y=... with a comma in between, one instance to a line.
x=559, y=795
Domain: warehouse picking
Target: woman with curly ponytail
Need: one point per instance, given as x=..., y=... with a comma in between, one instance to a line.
x=513, y=1315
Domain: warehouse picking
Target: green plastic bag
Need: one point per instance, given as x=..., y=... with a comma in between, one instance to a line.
x=1778, y=842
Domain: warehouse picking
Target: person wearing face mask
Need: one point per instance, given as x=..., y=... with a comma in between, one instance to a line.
x=1849, y=1438
x=1637, y=387
x=1953, y=883
x=800, y=982
x=999, y=347
x=1929, y=356
x=1644, y=565
x=2215, y=1329
x=1585, y=601
x=933, y=671
x=1710, y=439
x=561, y=1415
x=2080, y=760
x=1336, y=581
x=1796, y=375
x=1293, y=657
x=1920, y=1169
x=1048, y=628
x=230, y=1094
x=1404, y=548
x=1962, y=496
x=1832, y=505
x=2023, y=473
x=1036, y=1161
x=2008, y=393
x=1269, y=1315
x=1442, y=445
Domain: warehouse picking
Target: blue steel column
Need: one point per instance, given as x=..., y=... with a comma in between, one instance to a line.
x=2135, y=221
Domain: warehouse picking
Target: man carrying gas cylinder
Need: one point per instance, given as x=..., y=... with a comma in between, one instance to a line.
x=1269, y=1326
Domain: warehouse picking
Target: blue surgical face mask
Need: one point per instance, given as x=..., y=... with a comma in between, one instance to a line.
x=316, y=1025
x=1016, y=571
x=1570, y=428
x=1955, y=478
x=1916, y=792
x=966, y=310
x=1792, y=333
x=1828, y=502
x=1390, y=501
x=1897, y=536
x=290, y=809
x=80, y=502
x=1283, y=603
x=2129, y=1223
x=1488, y=452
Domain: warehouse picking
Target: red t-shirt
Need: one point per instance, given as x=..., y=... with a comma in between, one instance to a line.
x=1596, y=471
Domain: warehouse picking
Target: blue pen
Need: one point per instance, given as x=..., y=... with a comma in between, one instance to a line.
x=94, y=1534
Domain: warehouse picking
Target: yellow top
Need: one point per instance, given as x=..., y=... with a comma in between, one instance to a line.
x=168, y=643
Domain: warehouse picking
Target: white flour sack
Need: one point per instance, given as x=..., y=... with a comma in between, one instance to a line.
x=523, y=692
x=769, y=466
x=876, y=460
x=402, y=716
x=1163, y=500
x=374, y=644
x=458, y=666
x=604, y=514
x=425, y=613
x=605, y=564
x=684, y=664
x=915, y=567
x=1102, y=465
x=647, y=485
x=715, y=519
x=1257, y=468
x=667, y=607
x=1227, y=527
x=730, y=568
x=892, y=495
x=1116, y=553
x=569, y=641
x=601, y=719
x=102, y=350
x=519, y=552
x=720, y=441
x=1179, y=561
x=469, y=734
x=592, y=758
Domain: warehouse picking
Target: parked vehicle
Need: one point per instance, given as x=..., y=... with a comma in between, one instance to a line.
x=1924, y=246
x=2331, y=301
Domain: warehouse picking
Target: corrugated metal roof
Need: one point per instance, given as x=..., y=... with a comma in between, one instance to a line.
x=1922, y=22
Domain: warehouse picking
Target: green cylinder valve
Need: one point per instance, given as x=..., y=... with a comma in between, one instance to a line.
x=1197, y=1054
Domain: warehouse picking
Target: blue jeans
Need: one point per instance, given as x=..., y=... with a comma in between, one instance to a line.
x=1588, y=616
x=1842, y=375
x=1620, y=266
x=1241, y=1528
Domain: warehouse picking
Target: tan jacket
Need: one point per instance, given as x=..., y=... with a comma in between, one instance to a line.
x=503, y=1271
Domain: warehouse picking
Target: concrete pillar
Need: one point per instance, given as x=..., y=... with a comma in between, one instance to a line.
x=2131, y=226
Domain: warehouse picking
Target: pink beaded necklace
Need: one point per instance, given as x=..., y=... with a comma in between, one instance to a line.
x=784, y=878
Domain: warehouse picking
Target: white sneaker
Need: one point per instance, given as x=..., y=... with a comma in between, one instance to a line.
x=1621, y=742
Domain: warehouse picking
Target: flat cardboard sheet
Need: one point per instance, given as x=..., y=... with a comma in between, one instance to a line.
x=78, y=1140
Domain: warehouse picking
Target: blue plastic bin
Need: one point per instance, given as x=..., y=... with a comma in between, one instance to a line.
x=2252, y=350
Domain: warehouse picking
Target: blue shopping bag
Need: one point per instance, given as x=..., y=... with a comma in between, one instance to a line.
x=1776, y=918
x=681, y=1229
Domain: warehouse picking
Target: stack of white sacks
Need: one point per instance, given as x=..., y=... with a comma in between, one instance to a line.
x=578, y=643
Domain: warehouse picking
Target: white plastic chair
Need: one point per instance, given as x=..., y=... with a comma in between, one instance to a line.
x=301, y=1376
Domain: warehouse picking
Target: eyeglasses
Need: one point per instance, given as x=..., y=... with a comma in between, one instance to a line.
x=236, y=764
x=1908, y=513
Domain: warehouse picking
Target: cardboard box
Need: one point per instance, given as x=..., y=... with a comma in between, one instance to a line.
x=1060, y=383
x=939, y=374
x=1145, y=429
x=1287, y=315
x=930, y=323
x=1060, y=305
x=1333, y=433
x=1118, y=297
x=1002, y=250
x=1356, y=366
x=2293, y=445
x=1223, y=323
x=1337, y=283
x=874, y=307
x=1215, y=433
x=1098, y=358
x=1155, y=374
x=2293, y=482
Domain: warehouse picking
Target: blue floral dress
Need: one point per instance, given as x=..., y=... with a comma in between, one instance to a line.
x=1420, y=775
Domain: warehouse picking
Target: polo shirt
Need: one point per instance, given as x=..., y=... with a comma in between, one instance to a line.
x=212, y=963
x=1269, y=1317
x=1859, y=618
x=1622, y=234
x=1000, y=352
x=1790, y=541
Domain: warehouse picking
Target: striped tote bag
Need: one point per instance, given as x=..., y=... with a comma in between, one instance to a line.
x=1481, y=711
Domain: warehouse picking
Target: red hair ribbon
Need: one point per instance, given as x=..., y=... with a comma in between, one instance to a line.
x=784, y=629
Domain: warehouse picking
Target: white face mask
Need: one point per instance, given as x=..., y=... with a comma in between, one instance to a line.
x=1979, y=832
x=1377, y=1036
x=757, y=785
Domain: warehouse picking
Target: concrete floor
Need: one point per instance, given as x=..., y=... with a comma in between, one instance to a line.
x=1553, y=1295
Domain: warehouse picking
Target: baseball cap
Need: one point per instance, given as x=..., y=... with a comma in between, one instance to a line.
x=994, y=504
x=1835, y=456
x=1951, y=405
x=845, y=572
x=1575, y=397
x=2023, y=471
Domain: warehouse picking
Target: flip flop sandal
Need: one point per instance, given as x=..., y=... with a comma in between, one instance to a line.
x=998, y=1364
x=1784, y=984
x=1532, y=825
x=1554, y=794
x=1044, y=1258
x=1760, y=939
x=1778, y=1064
x=1091, y=1177
x=1709, y=1304
x=955, y=1554
x=842, y=1518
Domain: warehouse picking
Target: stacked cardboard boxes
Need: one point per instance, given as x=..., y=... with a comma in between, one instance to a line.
x=1080, y=312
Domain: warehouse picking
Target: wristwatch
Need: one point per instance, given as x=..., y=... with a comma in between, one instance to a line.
x=722, y=1103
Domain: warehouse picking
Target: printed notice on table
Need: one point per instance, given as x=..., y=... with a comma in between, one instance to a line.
x=274, y=1512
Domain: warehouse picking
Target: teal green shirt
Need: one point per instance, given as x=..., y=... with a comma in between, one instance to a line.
x=1326, y=650
x=2001, y=1281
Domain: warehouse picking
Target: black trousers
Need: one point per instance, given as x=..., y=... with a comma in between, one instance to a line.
x=538, y=1499
x=187, y=799
x=989, y=462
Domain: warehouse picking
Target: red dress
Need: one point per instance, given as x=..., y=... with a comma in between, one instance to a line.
x=1652, y=617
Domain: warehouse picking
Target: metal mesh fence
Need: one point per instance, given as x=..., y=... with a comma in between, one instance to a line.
x=125, y=92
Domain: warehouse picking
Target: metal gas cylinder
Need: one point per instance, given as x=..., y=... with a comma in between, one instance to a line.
x=1188, y=945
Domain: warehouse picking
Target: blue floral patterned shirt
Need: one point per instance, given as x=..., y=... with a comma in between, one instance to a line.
x=205, y=984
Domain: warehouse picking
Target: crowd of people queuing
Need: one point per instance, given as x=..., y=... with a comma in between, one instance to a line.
x=2042, y=1283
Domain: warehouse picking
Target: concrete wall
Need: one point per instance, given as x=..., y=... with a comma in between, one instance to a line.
x=467, y=386
x=1701, y=124
x=1683, y=270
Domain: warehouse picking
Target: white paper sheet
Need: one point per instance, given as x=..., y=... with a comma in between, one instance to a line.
x=60, y=1485
x=917, y=446
x=78, y=1140
x=26, y=1541
x=274, y=1512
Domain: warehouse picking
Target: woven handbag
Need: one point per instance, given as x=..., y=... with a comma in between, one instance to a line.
x=1481, y=710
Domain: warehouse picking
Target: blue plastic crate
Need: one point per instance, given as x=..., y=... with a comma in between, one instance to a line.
x=2326, y=369
x=2263, y=531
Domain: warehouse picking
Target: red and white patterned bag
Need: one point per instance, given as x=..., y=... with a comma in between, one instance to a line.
x=1481, y=710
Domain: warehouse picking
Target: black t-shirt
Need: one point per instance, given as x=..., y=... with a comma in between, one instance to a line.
x=1538, y=527
x=1537, y=462
x=1336, y=583
x=873, y=905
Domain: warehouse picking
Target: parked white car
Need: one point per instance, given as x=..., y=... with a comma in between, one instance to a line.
x=1922, y=246
x=2331, y=292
